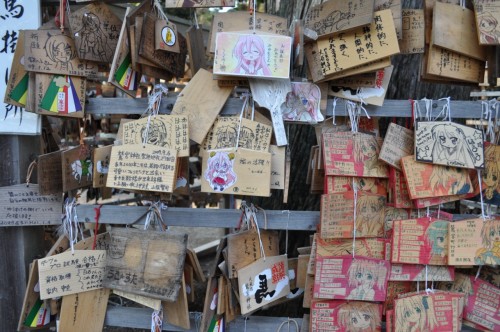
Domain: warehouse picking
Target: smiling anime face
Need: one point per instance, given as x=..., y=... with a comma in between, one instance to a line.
x=487, y=26
x=251, y=54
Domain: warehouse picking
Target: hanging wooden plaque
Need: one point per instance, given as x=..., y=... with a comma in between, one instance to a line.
x=396, y=9
x=16, y=90
x=146, y=263
x=95, y=29
x=49, y=171
x=195, y=43
x=278, y=155
x=77, y=167
x=60, y=95
x=413, y=36
x=50, y=51
x=368, y=247
x=398, y=194
x=448, y=64
x=101, y=159
x=398, y=143
x=414, y=272
x=487, y=18
x=303, y=103
x=166, y=36
x=338, y=184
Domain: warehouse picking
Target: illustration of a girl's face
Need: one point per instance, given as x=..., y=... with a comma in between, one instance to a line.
x=365, y=278
x=369, y=149
x=222, y=165
x=487, y=25
x=490, y=176
x=448, y=141
x=62, y=52
x=413, y=315
x=441, y=241
x=360, y=320
x=251, y=54
x=366, y=184
x=494, y=235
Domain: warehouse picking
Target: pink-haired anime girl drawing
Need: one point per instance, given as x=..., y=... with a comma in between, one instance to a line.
x=220, y=174
x=251, y=55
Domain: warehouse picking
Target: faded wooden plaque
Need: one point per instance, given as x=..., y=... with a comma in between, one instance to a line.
x=428, y=180
x=49, y=171
x=398, y=143
x=142, y=167
x=454, y=28
x=102, y=157
x=487, y=17
x=198, y=3
x=170, y=61
x=201, y=101
x=95, y=29
x=149, y=302
x=22, y=205
x=166, y=36
x=396, y=10
x=60, y=95
x=448, y=143
x=146, y=263
x=167, y=131
x=413, y=36
x=356, y=81
x=277, y=167
x=445, y=63
x=244, y=248
x=237, y=171
x=346, y=50
x=71, y=272
x=77, y=168
x=339, y=210
x=16, y=89
x=195, y=43
x=50, y=51
x=243, y=21
x=334, y=16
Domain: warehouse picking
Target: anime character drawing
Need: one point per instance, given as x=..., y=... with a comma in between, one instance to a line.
x=488, y=33
x=81, y=168
x=491, y=173
x=451, y=147
x=250, y=53
x=391, y=214
x=92, y=39
x=226, y=137
x=302, y=103
x=490, y=234
x=359, y=317
x=158, y=133
x=246, y=138
x=365, y=275
x=220, y=174
x=60, y=52
x=447, y=180
x=415, y=314
x=437, y=239
x=370, y=215
x=366, y=151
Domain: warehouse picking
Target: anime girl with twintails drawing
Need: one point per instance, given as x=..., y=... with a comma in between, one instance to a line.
x=364, y=275
x=490, y=234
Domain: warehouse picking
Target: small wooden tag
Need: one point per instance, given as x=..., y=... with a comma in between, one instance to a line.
x=102, y=157
x=398, y=143
x=177, y=313
x=263, y=282
x=277, y=167
x=60, y=95
x=77, y=168
x=166, y=36
x=49, y=171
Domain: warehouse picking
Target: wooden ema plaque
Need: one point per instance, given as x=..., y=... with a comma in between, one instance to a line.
x=420, y=241
x=394, y=288
x=369, y=247
x=77, y=168
x=334, y=16
x=491, y=180
x=474, y=242
x=70, y=273
x=201, y=101
x=413, y=272
x=428, y=180
x=166, y=36
x=345, y=277
x=353, y=154
x=102, y=157
x=60, y=95
x=338, y=184
x=16, y=90
x=451, y=65
x=448, y=143
x=337, y=214
x=413, y=40
x=142, y=167
x=147, y=263
x=49, y=171
x=303, y=103
x=278, y=167
x=167, y=131
x=345, y=316
x=398, y=143
x=22, y=205
x=398, y=194
x=237, y=171
x=95, y=29
x=345, y=50
x=396, y=10
x=50, y=51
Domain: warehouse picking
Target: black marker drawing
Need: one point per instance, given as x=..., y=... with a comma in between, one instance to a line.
x=93, y=40
x=60, y=52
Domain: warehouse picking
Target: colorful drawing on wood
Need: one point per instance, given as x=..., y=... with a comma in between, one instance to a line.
x=353, y=154
x=302, y=103
x=487, y=19
x=198, y=3
x=263, y=282
x=77, y=168
x=337, y=184
x=414, y=272
x=345, y=316
x=237, y=171
x=420, y=241
x=167, y=131
x=166, y=36
x=337, y=214
x=491, y=175
x=96, y=31
x=398, y=190
x=392, y=214
x=252, y=55
x=447, y=143
x=50, y=51
x=394, y=289
x=429, y=180
x=60, y=95
x=351, y=278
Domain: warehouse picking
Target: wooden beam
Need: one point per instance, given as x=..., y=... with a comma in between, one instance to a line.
x=391, y=108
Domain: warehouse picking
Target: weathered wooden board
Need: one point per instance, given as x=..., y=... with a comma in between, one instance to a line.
x=334, y=16
x=398, y=143
x=453, y=65
x=70, y=273
x=177, y=313
x=95, y=29
x=454, y=28
x=50, y=51
x=77, y=168
x=194, y=40
x=413, y=35
x=170, y=61
x=243, y=21
x=142, y=167
x=146, y=263
x=16, y=90
x=428, y=11
x=49, y=171
x=22, y=205
x=60, y=95
x=201, y=100
x=149, y=302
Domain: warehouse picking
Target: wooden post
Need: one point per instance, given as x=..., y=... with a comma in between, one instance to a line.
x=18, y=245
